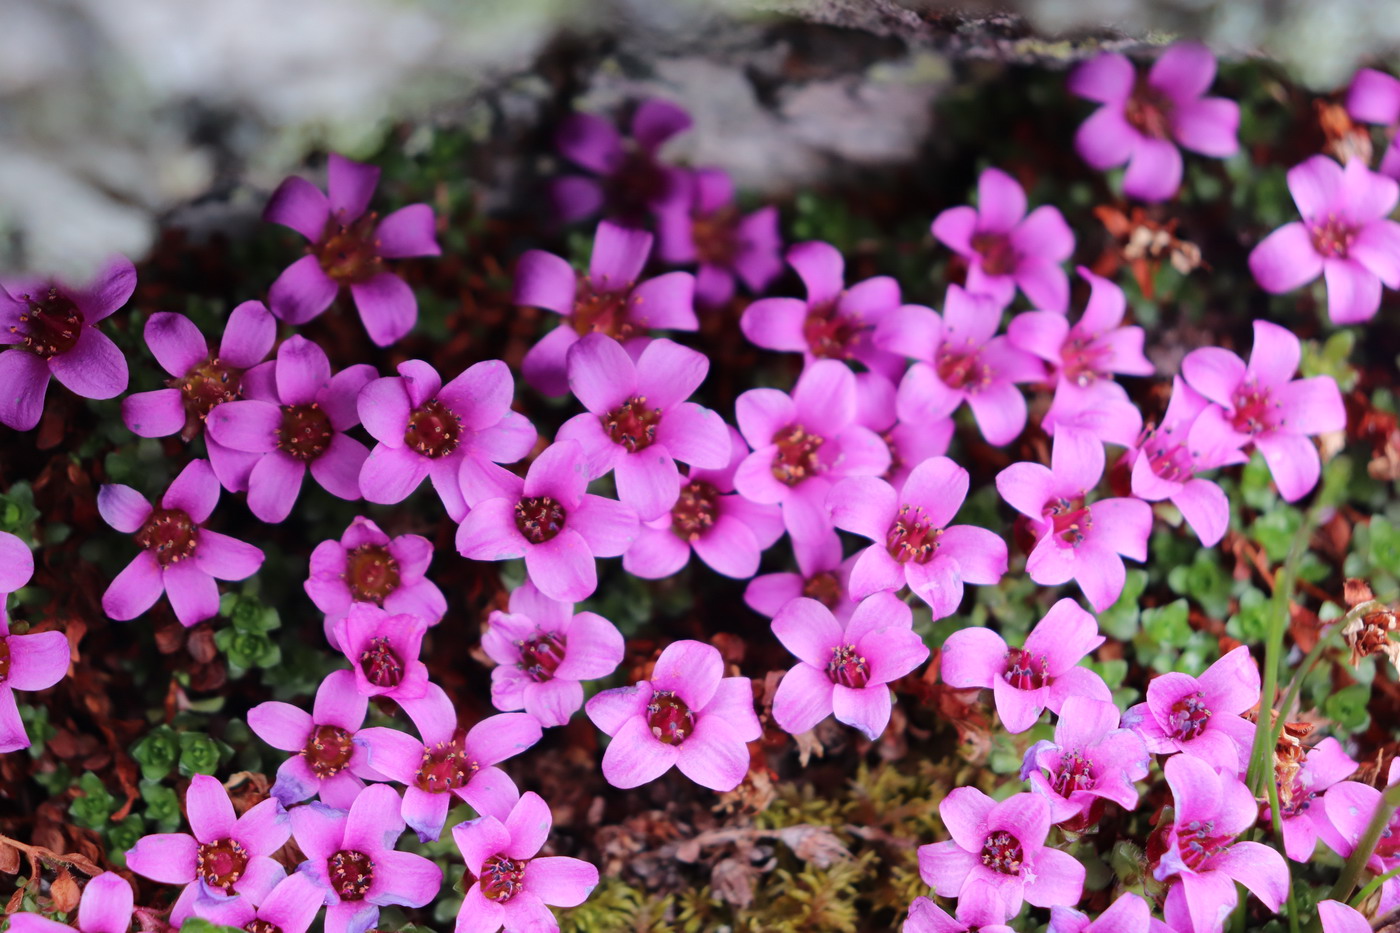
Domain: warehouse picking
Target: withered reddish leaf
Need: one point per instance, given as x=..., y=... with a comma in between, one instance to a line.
x=64, y=892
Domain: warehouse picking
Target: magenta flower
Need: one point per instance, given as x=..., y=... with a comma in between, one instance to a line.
x=638, y=421
x=1261, y=403
x=347, y=249
x=295, y=423
x=1005, y=248
x=1345, y=236
x=351, y=857
x=383, y=651
x=801, y=445
x=449, y=760
x=632, y=183
x=1075, y=539
x=549, y=520
x=329, y=763
x=1304, y=817
x=822, y=575
x=913, y=543
x=1211, y=809
x=834, y=322
x=226, y=856
x=977, y=914
x=1091, y=760
x=290, y=908
x=1349, y=808
x=708, y=229
x=35, y=661
x=514, y=887
x=1026, y=681
x=367, y=566
x=1374, y=97
x=1110, y=417
x=51, y=329
x=180, y=557
x=998, y=854
x=105, y=907
x=426, y=430
x=958, y=359
x=543, y=651
x=607, y=300
x=910, y=442
x=1202, y=717
x=726, y=531
x=1142, y=121
x=1339, y=918
x=688, y=715
x=1128, y=914
x=845, y=669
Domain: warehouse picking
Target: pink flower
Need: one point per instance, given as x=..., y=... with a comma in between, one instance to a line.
x=347, y=249
x=708, y=229
x=802, y=444
x=513, y=885
x=51, y=329
x=607, y=300
x=105, y=907
x=35, y=661
x=225, y=856
x=1349, y=808
x=383, y=651
x=1345, y=236
x=1005, y=248
x=1025, y=681
x=980, y=914
x=1142, y=121
x=958, y=359
x=1128, y=914
x=638, y=421
x=1201, y=717
x=998, y=854
x=351, y=857
x=1090, y=760
x=329, y=763
x=179, y=557
x=1210, y=811
x=296, y=421
x=910, y=442
x=548, y=519
x=1304, y=817
x=426, y=430
x=1109, y=417
x=1076, y=539
x=822, y=576
x=834, y=322
x=1374, y=97
x=291, y=907
x=913, y=543
x=632, y=183
x=543, y=651
x=1339, y=918
x=449, y=760
x=1261, y=403
x=688, y=715
x=845, y=669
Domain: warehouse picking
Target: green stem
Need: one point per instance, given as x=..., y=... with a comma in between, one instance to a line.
x=1277, y=820
x=1351, y=871
x=1374, y=883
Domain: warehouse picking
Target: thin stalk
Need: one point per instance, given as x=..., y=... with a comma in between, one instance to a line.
x=1372, y=885
x=1277, y=820
x=1351, y=871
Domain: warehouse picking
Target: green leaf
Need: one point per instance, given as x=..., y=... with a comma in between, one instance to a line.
x=157, y=752
x=95, y=806
x=1347, y=707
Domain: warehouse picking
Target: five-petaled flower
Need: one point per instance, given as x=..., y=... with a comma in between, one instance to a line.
x=34, y=661
x=1300, y=783
x=631, y=181
x=707, y=228
x=1201, y=716
x=383, y=650
x=1091, y=759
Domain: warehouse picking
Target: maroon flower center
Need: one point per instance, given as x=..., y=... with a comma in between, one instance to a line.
x=670, y=719
x=208, y=384
x=999, y=257
x=541, y=655
x=1197, y=841
x=1001, y=852
x=4, y=659
x=1388, y=846
x=262, y=926
x=445, y=766
x=1071, y=520
x=716, y=237
x=1332, y=236
x=351, y=874
x=1255, y=410
x=380, y=664
x=220, y=863
x=1084, y=360
x=695, y=511
x=964, y=370
x=1294, y=798
x=1149, y=111
x=848, y=668
x=50, y=326
x=796, y=458
x=833, y=336
x=434, y=430
x=1170, y=461
x=371, y=573
x=632, y=424
x=169, y=534
x=1025, y=671
x=1075, y=773
x=603, y=312
x=502, y=878
x=539, y=518
x=912, y=537
x=1189, y=717
x=637, y=183
x=824, y=587
x=328, y=751
x=349, y=254
x=305, y=432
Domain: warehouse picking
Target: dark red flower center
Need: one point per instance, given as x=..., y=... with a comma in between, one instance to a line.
x=50, y=326
x=1084, y=360
x=328, y=751
x=220, y=863
x=824, y=587
x=1001, y=852
x=1189, y=717
x=502, y=878
x=445, y=766
x=4, y=659
x=716, y=237
x=1075, y=773
x=1197, y=841
x=1169, y=460
x=539, y=518
x=834, y=336
x=1388, y=846
x=603, y=312
x=912, y=537
x=371, y=573
x=434, y=430
x=637, y=184
x=1149, y=111
x=170, y=534
x=380, y=664
x=541, y=655
x=696, y=510
x=670, y=719
x=1255, y=410
x=1070, y=518
x=1025, y=671
x=351, y=874
x=1332, y=236
x=963, y=370
x=349, y=254
x=305, y=432
x=206, y=385
x=261, y=926
x=632, y=424
x=847, y=667
x=999, y=257
x=796, y=458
